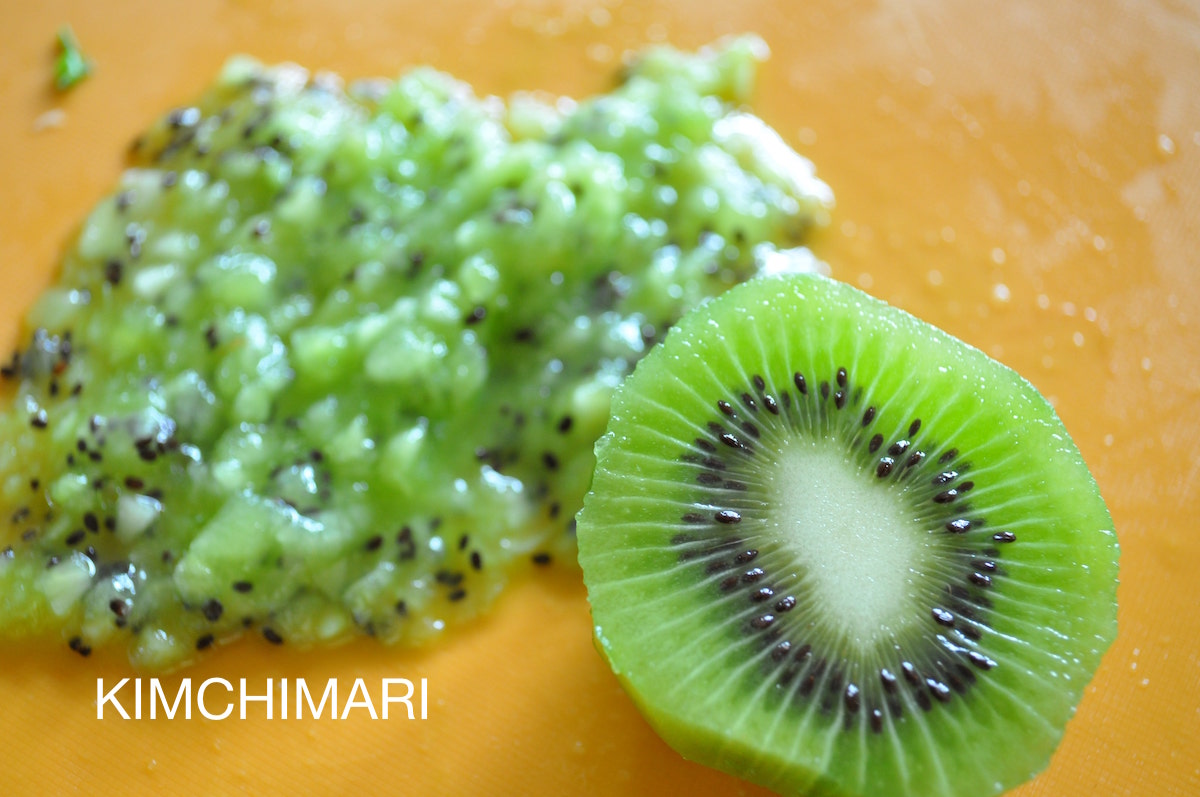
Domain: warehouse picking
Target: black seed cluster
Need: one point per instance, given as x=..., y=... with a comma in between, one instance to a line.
x=947, y=662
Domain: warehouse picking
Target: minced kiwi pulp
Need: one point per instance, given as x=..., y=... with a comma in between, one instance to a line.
x=332, y=360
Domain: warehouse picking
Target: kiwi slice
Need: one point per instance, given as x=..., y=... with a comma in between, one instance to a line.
x=835, y=551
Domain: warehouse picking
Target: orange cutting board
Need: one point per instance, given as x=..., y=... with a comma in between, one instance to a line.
x=1023, y=174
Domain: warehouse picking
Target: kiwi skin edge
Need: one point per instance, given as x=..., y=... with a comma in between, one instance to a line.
x=697, y=660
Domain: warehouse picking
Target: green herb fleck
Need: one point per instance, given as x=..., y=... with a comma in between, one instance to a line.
x=70, y=67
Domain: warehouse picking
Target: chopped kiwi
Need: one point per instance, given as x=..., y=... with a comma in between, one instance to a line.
x=835, y=551
x=332, y=359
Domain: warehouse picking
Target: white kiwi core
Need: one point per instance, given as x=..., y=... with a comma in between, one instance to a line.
x=861, y=554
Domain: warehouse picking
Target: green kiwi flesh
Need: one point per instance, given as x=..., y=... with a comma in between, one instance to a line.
x=835, y=551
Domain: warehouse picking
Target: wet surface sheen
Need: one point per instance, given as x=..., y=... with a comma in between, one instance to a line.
x=1023, y=176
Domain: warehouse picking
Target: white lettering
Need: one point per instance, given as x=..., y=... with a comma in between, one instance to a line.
x=393, y=691
x=103, y=697
x=406, y=699
x=268, y=698
x=359, y=686
x=184, y=694
x=329, y=694
x=204, y=707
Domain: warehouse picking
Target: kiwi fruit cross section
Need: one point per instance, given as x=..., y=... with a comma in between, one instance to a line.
x=834, y=550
